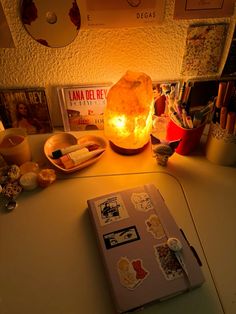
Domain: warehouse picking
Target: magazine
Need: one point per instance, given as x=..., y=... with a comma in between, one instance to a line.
x=25, y=108
x=82, y=107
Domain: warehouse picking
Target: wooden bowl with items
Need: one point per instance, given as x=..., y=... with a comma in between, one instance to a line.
x=69, y=154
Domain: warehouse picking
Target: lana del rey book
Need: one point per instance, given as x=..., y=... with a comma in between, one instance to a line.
x=25, y=108
x=82, y=106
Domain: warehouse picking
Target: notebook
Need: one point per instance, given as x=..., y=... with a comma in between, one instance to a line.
x=146, y=256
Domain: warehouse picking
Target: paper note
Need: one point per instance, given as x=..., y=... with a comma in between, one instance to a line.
x=192, y=9
x=204, y=46
x=126, y=13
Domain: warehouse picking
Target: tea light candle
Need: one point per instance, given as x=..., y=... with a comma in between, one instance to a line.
x=14, y=146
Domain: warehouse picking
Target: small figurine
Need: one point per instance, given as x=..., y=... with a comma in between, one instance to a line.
x=162, y=149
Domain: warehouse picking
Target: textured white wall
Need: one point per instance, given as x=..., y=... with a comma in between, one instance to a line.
x=98, y=55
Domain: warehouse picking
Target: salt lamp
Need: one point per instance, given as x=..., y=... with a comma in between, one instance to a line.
x=128, y=113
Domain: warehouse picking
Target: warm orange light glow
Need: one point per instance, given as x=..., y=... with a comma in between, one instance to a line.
x=118, y=122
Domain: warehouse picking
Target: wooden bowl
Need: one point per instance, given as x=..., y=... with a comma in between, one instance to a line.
x=63, y=140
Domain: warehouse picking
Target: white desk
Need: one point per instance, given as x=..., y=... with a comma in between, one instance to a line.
x=49, y=262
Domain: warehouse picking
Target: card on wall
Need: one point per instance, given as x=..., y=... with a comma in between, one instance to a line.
x=192, y=9
x=6, y=40
x=127, y=13
x=204, y=46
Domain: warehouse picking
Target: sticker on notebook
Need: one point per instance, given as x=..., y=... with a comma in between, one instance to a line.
x=111, y=209
x=141, y=201
x=168, y=262
x=154, y=226
x=120, y=237
x=131, y=273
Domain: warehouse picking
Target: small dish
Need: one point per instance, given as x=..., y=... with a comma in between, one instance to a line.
x=63, y=140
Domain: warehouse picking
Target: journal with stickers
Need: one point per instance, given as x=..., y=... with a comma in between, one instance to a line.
x=146, y=255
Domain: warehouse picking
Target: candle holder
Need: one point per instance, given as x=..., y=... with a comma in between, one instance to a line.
x=128, y=113
x=14, y=146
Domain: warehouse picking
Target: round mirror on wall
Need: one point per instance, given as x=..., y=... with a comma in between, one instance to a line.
x=52, y=23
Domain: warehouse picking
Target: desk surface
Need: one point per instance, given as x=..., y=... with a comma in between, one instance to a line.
x=49, y=261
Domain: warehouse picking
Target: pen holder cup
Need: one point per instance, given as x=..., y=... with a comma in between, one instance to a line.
x=221, y=146
x=190, y=138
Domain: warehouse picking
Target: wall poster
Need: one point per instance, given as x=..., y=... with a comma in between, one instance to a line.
x=123, y=13
x=203, y=50
x=192, y=9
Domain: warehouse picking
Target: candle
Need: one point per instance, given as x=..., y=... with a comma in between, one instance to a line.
x=14, y=146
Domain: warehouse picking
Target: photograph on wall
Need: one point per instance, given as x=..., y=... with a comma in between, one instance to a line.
x=82, y=107
x=192, y=9
x=203, y=50
x=25, y=108
x=124, y=13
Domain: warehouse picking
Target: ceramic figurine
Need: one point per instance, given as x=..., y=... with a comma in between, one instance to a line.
x=162, y=149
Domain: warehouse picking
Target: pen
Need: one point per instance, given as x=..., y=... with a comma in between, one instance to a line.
x=221, y=94
x=230, y=122
x=178, y=107
x=184, y=115
x=207, y=108
x=187, y=92
x=176, y=118
x=73, y=159
x=197, y=119
x=189, y=122
x=232, y=102
x=170, y=101
x=172, y=109
x=63, y=151
x=176, y=113
x=219, y=101
x=223, y=117
x=181, y=93
x=228, y=93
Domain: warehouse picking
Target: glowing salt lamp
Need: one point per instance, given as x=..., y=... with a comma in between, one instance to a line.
x=128, y=113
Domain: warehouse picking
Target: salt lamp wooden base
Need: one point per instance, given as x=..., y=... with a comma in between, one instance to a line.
x=127, y=151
